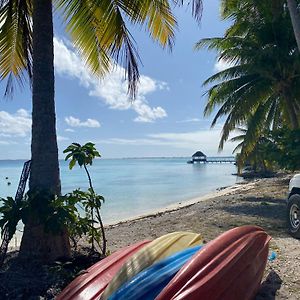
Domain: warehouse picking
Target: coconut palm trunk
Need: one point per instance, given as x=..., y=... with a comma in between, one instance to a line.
x=44, y=174
x=295, y=17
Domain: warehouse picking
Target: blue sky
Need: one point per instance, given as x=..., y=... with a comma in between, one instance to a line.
x=166, y=119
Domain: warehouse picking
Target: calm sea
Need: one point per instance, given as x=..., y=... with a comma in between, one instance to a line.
x=134, y=186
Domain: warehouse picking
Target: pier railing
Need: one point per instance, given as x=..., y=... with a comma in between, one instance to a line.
x=220, y=160
x=229, y=159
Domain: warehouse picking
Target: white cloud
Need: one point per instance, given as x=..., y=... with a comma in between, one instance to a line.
x=192, y=120
x=17, y=124
x=62, y=138
x=7, y=143
x=222, y=65
x=74, y=122
x=69, y=130
x=205, y=140
x=112, y=89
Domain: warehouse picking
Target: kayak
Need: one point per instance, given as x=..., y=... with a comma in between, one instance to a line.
x=91, y=284
x=147, y=284
x=155, y=251
x=229, y=268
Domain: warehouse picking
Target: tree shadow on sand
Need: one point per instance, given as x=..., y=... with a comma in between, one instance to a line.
x=266, y=212
x=269, y=287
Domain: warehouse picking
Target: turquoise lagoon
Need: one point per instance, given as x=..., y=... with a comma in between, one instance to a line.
x=136, y=186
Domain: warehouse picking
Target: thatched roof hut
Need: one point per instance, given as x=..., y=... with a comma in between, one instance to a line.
x=199, y=154
x=198, y=157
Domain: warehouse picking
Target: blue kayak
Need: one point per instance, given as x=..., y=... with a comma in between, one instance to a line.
x=147, y=284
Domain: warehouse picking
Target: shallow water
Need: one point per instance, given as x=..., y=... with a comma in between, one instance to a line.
x=134, y=186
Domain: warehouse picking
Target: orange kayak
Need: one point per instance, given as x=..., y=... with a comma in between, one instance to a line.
x=90, y=285
x=229, y=268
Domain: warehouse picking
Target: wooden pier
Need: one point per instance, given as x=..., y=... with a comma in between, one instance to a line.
x=230, y=160
x=221, y=160
x=200, y=157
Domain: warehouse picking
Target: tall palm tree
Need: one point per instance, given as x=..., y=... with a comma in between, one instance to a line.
x=100, y=33
x=265, y=73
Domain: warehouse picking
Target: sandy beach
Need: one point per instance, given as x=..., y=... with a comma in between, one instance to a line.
x=260, y=202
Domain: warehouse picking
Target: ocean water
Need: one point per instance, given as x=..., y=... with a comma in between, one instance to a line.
x=134, y=186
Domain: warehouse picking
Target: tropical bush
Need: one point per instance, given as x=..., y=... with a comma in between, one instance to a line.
x=78, y=211
x=285, y=148
x=273, y=150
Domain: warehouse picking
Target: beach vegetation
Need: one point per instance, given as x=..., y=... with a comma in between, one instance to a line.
x=252, y=154
x=100, y=32
x=10, y=216
x=259, y=91
x=84, y=155
x=273, y=150
x=284, y=148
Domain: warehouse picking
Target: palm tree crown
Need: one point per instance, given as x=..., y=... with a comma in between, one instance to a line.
x=263, y=81
x=99, y=31
x=97, y=28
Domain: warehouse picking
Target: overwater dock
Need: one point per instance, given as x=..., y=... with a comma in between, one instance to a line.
x=200, y=157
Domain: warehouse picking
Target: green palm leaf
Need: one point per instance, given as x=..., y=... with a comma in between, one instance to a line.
x=99, y=31
x=15, y=42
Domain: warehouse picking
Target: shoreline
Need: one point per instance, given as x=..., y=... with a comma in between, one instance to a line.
x=260, y=202
x=218, y=192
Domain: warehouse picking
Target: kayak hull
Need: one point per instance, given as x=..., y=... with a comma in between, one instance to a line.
x=155, y=251
x=147, y=284
x=91, y=284
x=228, y=268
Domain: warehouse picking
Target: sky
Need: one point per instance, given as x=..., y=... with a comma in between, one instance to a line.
x=166, y=118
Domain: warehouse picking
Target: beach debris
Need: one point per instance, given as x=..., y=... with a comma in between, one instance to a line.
x=272, y=256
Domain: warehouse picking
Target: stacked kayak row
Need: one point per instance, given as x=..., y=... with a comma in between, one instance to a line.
x=177, y=266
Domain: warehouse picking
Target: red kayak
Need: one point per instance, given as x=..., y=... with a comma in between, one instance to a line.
x=229, y=268
x=90, y=285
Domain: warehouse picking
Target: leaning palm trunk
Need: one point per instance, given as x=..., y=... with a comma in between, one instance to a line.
x=44, y=174
x=295, y=17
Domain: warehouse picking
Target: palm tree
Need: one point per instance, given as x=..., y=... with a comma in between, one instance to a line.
x=252, y=149
x=84, y=156
x=99, y=32
x=264, y=77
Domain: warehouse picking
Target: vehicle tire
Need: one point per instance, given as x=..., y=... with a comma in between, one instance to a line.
x=293, y=215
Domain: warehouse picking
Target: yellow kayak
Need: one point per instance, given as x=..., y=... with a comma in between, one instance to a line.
x=155, y=251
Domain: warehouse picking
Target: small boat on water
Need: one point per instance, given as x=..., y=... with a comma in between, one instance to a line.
x=229, y=268
x=92, y=283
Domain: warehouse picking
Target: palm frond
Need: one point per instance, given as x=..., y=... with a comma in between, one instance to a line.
x=156, y=15
x=98, y=29
x=80, y=20
x=227, y=74
x=196, y=5
x=238, y=147
x=15, y=42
